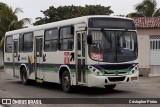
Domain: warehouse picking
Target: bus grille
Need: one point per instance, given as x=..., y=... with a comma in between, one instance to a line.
x=113, y=79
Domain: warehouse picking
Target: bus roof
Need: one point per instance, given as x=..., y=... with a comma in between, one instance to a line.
x=60, y=23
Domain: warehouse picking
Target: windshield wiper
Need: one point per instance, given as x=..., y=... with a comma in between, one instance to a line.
x=106, y=35
x=123, y=33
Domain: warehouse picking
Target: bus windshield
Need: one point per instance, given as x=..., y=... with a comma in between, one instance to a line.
x=113, y=46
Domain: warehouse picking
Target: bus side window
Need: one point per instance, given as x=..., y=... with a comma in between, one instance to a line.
x=66, y=39
x=9, y=44
x=26, y=42
x=51, y=40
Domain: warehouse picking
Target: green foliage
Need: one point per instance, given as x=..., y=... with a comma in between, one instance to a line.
x=66, y=12
x=147, y=8
x=9, y=20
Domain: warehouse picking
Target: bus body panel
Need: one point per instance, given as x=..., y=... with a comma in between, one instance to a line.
x=46, y=65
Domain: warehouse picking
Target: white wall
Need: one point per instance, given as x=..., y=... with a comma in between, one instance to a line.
x=143, y=51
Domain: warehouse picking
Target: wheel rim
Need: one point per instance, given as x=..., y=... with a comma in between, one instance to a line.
x=66, y=82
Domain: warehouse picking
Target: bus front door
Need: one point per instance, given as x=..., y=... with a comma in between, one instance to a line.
x=15, y=58
x=38, y=60
x=80, y=63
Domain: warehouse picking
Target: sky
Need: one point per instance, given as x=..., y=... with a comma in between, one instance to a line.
x=31, y=8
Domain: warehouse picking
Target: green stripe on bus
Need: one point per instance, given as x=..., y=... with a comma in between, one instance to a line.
x=55, y=69
x=88, y=72
x=48, y=68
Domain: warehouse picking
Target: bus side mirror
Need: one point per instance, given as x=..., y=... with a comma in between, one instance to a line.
x=89, y=39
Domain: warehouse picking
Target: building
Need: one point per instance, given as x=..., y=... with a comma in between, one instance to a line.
x=148, y=30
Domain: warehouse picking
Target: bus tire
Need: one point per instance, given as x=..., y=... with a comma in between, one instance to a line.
x=110, y=87
x=23, y=73
x=66, y=82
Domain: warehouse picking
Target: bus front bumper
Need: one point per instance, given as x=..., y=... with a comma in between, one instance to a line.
x=101, y=81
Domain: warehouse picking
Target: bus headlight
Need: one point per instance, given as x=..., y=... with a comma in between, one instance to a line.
x=94, y=70
x=134, y=70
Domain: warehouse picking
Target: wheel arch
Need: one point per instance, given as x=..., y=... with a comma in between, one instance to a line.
x=21, y=66
x=61, y=70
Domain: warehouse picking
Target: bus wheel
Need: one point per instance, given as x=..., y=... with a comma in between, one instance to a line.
x=110, y=87
x=66, y=82
x=24, y=79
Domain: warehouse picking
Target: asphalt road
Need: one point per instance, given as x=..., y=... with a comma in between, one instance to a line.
x=147, y=87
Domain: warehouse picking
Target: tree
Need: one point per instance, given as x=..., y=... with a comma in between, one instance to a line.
x=9, y=20
x=66, y=12
x=147, y=8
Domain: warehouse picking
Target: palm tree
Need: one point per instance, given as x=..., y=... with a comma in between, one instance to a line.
x=9, y=20
x=147, y=8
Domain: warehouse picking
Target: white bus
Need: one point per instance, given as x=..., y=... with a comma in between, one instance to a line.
x=92, y=51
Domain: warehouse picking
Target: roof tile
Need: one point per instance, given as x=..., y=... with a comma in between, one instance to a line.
x=147, y=22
